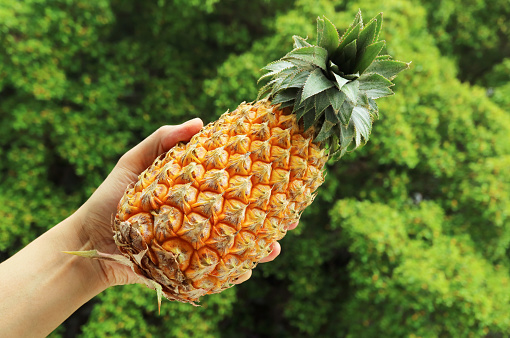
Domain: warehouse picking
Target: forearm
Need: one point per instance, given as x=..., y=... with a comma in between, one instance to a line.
x=40, y=279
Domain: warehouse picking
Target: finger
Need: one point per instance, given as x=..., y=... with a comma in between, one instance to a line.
x=293, y=226
x=143, y=154
x=275, y=251
x=182, y=132
x=243, y=278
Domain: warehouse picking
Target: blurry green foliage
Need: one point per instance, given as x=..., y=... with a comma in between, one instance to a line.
x=409, y=236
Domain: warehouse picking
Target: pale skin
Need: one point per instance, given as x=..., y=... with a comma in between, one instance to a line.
x=42, y=286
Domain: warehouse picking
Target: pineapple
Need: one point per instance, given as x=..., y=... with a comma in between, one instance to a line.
x=207, y=211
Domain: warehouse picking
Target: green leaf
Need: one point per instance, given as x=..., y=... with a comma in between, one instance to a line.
x=383, y=57
x=362, y=121
x=349, y=37
x=379, y=92
x=316, y=83
x=275, y=68
x=379, y=21
x=346, y=136
x=300, y=42
x=371, y=81
x=313, y=55
x=282, y=80
x=340, y=81
x=308, y=120
x=348, y=57
x=336, y=99
x=297, y=80
x=327, y=127
x=327, y=35
x=366, y=36
x=325, y=132
x=322, y=102
x=368, y=56
x=351, y=90
x=284, y=96
x=345, y=112
x=387, y=68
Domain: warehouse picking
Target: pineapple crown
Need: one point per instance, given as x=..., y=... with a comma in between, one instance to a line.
x=332, y=85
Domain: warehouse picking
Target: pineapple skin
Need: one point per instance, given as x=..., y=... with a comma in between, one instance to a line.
x=207, y=211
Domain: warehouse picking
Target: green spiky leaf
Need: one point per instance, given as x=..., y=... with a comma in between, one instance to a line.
x=387, y=68
x=336, y=99
x=362, y=121
x=373, y=81
x=366, y=36
x=333, y=85
x=351, y=90
x=285, y=96
x=315, y=84
x=345, y=112
x=340, y=81
x=327, y=35
x=313, y=55
x=378, y=27
x=322, y=101
x=368, y=56
x=300, y=42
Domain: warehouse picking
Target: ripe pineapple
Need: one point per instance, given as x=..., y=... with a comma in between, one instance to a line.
x=207, y=211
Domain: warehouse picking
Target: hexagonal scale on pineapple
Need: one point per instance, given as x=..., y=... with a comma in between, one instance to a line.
x=181, y=251
x=279, y=180
x=300, y=145
x=277, y=204
x=261, y=172
x=280, y=157
x=222, y=238
x=238, y=126
x=181, y=195
x=261, y=150
x=268, y=231
x=168, y=172
x=296, y=190
x=239, y=164
x=233, y=213
x=288, y=122
x=193, y=153
x=260, y=195
x=226, y=266
x=313, y=178
x=195, y=229
x=216, y=159
x=239, y=188
x=215, y=180
x=153, y=195
x=167, y=221
x=298, y=166
x=254, y=218
x=265, y=114
x=280, y=137
x=189, y=173
x=208, y=204
x=260, y=131
x=239, y=144
x=173, y=257
x=243, y=241
x=216, y=140
x=202, y=263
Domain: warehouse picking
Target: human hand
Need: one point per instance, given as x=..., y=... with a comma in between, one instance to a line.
x=98, y=212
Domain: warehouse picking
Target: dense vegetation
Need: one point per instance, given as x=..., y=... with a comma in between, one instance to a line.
x=409, y=236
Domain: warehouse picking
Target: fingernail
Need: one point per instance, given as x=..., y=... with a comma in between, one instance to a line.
x=192, y=121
